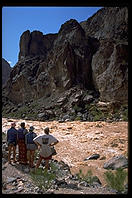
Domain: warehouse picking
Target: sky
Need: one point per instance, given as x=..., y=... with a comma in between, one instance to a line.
x=16, y=20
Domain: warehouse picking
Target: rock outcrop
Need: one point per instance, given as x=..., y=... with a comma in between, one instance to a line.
x=6, y=69
x=91, y=55
x=35, y=44
x=110, y=63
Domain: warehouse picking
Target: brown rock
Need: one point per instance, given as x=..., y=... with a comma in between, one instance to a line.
x=92, y=55
x=24, y=44
x=110, y=71
x=6, y=69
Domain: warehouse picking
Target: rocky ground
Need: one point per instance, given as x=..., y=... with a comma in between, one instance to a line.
x=77, y=141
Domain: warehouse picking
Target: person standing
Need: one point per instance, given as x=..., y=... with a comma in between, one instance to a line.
x=12, y=142
x=45, y=142
x=21, y=144
x=31, y=146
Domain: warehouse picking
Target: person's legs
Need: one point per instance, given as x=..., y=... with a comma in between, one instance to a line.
x=28, y=154
x=32, y=158
x=47, y=164
x=9, y=153
x=25, y=154
x=19, y=151
x=14, y=153
x=29, y=158
x=39, y=162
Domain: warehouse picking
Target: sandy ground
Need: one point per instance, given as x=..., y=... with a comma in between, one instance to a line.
x=78, y=140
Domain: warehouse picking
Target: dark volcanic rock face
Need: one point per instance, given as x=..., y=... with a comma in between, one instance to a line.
x=92, y=55
x=108, y=23
x=6, y=69
x=110, y=63
x=110, y=71
x=72, y=55
x=35, y=44
x=41, y=69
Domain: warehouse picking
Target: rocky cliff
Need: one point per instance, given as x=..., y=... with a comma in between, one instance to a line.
x=81, y=62
x=110, y=63
x=6, y=69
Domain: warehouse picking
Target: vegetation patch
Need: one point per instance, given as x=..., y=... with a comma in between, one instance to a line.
x=43, y=178
x=116, y=180
x=3, y=136
x=89, y=178
x=96, y=113
x=77, y=108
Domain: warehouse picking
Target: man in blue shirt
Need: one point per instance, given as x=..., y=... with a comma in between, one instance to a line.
x=12, y=142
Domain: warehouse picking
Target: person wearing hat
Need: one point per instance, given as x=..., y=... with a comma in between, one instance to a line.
x=12, y=142
x=31, y=146
x=45, y=142
x=21, y=144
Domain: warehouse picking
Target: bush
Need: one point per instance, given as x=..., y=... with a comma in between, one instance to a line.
x=125, y=115
x=77, y=108
x=116, y=180
x=4, y=136
x=96, y=113
x=42, y=178
x=89, y=178
x=77, y=118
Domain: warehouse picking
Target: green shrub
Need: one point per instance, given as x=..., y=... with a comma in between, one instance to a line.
x=77, y=108
x=77, y=118
x=125, y=115
x=98, y=117
x=96, y=113
x=116, y=180
x=42, y=178
x=87, y=107
x=89, y=178
x=3, y=136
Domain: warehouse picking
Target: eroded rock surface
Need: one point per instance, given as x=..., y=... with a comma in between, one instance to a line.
x=92, y=55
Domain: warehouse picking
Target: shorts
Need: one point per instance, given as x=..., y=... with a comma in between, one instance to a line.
x=46, y=158
x=31, y=147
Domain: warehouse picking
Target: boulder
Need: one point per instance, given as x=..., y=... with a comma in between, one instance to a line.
x=116, y=162
x=11, y=179
x=91, y=157
x=87, y=99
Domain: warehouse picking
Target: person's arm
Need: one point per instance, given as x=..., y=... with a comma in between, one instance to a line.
x=54, y=143
x=36, y=141
x=25, y=131
x=39, y=145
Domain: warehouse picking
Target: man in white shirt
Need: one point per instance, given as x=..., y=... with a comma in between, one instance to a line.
x=45, y=142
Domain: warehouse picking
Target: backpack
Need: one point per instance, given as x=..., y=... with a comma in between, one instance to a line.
x=30, y=137
x=21, y=134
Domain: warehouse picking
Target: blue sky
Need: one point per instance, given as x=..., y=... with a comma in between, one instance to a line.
x=16, y=20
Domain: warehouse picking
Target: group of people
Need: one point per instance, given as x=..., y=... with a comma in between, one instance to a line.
x=28, y=142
